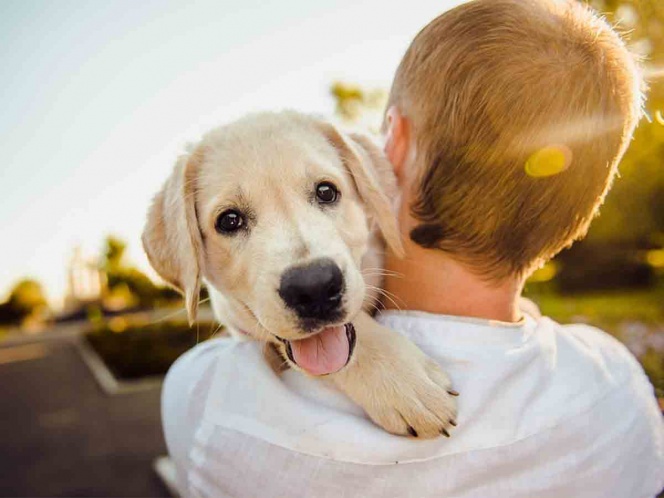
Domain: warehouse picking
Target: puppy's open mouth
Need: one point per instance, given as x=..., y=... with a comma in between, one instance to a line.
x=324, y=353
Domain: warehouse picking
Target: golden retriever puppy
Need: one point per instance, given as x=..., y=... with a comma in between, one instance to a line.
x=279, y=214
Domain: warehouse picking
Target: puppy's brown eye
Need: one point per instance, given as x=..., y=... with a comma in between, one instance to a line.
x=326, y=193
x=229, y=222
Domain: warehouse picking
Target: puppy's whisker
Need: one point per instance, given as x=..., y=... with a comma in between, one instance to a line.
x=396, y=305
x=176, y=313
x=383, y=291
x=169, y=316
x=381, y=274
x=381, y=270
x=217, y=330
x=374, y=299
x=392, y=297
x=388, y=295
x=373, y=307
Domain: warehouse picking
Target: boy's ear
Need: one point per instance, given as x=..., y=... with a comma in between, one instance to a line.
x=397, y=141
x=171, y=237
x=366, y=164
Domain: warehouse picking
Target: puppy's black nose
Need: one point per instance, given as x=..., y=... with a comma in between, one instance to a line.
x=314, y=290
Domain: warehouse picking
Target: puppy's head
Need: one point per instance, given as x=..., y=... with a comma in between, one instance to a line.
x=275, y=211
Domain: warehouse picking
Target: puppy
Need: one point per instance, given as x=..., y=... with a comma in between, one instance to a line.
x=284, y=217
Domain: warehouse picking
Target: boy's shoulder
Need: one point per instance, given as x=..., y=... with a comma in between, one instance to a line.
x=581, y=343
x=586, y=344
x=590, y=369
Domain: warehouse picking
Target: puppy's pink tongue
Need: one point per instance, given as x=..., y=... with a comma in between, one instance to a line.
x=323, y=353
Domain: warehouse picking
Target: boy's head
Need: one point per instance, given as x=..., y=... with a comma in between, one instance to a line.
x=518, y=112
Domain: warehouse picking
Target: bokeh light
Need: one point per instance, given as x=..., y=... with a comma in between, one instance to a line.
x=548, y=161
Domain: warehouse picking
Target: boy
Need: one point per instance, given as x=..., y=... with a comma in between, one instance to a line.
x=506, y=122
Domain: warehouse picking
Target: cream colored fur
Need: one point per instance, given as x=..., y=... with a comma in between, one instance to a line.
x=268, y=165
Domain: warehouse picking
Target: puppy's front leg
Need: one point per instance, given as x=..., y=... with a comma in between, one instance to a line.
x=398, y=386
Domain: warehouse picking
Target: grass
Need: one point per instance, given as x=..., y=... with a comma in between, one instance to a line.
x=607, y=310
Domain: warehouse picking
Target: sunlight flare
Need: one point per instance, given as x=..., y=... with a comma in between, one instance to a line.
x=548, y=161
x=652, y=73
x=578, y=130
x=659, y=116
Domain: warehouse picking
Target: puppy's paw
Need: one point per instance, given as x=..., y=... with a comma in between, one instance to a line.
x=398, y=386
x=416, y=400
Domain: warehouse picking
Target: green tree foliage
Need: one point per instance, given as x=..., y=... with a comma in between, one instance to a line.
x=634, y=210
x=359, y=106
x=631, y=221
x=122, y=276
x=113, y=252
x=26, y=299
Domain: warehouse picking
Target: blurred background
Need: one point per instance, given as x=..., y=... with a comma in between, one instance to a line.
x=98, y=100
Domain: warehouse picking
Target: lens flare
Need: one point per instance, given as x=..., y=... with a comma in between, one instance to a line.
x=548, y=161
x=655, y=258
x=571, y=131
x=659, y=117
x=652, y=73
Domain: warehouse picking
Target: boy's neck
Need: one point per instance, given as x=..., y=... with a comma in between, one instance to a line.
x=432, y=281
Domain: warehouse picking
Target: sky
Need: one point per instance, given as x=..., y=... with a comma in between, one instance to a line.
x=98, y=98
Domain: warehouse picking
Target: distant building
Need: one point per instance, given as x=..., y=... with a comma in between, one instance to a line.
x=86, y=282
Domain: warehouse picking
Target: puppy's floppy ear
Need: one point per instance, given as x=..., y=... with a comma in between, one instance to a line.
x=171, y=237
x=366, y=164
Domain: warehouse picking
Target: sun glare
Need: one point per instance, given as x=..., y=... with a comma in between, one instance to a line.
x=549, y=161
x=652, y=73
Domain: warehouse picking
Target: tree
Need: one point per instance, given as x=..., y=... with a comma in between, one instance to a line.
x=125, y=278
x=634, y=211
x=26, y=299
x=359, y=106
x=631, y=221
x=113, y=252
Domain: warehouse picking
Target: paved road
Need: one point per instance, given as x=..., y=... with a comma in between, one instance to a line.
x=60, y=435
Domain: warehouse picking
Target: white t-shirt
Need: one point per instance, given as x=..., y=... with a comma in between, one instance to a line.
x=545, y=411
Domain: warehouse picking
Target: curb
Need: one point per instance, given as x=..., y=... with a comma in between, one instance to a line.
x=105, y=378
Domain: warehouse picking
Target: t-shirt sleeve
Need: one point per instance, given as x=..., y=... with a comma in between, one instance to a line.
x=184, y=393
x=614, y=354
x=637, y=409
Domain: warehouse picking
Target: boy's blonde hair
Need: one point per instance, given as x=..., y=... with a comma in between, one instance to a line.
x=520, y=111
